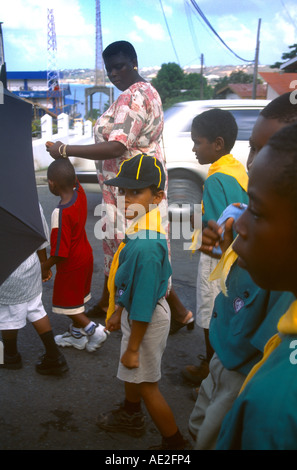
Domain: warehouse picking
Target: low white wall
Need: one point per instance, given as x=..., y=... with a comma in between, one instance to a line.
x=82, y=134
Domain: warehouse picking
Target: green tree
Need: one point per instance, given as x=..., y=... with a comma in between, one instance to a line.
x=287, y=56
x=174, y=85
x=169, y=81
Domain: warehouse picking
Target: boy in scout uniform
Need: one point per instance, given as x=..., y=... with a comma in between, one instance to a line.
x=139, y=278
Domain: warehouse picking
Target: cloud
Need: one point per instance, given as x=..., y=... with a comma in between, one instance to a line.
x=241, y=39
x=25, y=34
x=153, y=30
x=135, y=37
x=286, y=30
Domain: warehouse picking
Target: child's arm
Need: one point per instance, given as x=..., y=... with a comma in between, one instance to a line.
x=46, y=276
x=130, y=358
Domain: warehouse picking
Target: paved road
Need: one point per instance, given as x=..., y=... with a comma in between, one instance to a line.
x=59, y=413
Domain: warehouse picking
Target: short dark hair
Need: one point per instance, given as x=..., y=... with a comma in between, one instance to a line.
x=118, y=47
x=62, y=172
x=281, y=108
x=284, y=145
x=217, y=123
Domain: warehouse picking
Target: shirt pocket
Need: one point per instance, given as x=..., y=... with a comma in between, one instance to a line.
x=245, y=305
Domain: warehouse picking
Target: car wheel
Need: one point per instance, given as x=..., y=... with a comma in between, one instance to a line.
x=184, y=191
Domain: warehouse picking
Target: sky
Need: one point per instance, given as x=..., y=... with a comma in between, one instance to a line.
x=161, y=31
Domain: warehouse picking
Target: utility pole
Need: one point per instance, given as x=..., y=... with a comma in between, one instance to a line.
x=255, y=80
x=201, y=77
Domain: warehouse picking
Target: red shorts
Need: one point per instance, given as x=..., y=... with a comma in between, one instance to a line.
x=72, y=290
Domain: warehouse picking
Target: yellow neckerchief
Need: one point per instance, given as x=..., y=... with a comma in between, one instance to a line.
x=223, y=267
x=287, y=325
x=150, y=221
x=228, y=165
x=232, y=167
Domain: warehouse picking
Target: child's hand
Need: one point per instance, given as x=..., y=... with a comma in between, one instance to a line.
x=48, y=276
x=130, y=359
x=211, y=237
x=114, y=322
x=45, y=273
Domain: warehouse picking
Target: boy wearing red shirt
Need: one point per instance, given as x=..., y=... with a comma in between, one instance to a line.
x=73, y=256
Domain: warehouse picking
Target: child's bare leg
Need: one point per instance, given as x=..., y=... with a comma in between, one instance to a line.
x=162, y=416
x=43, y=325
x=158, y=409
x=132, y=392
x=80, y=320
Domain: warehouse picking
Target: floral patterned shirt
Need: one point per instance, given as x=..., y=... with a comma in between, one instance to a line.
x=136, y=120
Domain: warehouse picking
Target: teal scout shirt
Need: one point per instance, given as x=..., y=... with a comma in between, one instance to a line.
x=143, y=274
x=243, y=322
x=219, y=191
x=264, y=416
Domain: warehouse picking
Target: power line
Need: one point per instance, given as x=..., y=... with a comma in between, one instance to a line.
x=198, y=9
x=191, y=27
x=169, y=32
x=289, y=16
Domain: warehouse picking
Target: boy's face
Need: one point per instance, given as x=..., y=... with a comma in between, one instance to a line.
x=206, y=152
x=141, y=199
x=266, y=244
x=263, y=129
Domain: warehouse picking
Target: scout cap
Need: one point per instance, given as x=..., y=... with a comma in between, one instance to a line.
x=139, y=172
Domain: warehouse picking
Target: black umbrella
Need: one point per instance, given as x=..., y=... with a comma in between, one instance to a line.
x=21, y=229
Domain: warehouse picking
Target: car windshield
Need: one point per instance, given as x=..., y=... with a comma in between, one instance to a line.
x=245, y=119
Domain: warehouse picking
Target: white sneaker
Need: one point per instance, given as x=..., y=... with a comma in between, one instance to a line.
x=66, y=339
x=97, y=338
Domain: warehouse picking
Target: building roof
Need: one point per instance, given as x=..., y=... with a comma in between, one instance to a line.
x=279, y=82
x=244, y=90
x=290, y=64
x=40, y=75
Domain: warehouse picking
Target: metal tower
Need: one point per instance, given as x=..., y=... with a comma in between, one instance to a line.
x=100, y=84
x=54, y=95
x=99, y=69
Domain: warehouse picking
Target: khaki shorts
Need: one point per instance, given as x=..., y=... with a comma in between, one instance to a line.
x=152, y=346
x=206, y=291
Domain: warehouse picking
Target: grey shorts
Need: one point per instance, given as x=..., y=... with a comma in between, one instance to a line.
x=151, y=348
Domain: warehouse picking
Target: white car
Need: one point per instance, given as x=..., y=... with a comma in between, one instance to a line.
x=186, y=175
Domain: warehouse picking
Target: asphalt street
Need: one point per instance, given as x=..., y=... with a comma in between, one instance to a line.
x=59, y=413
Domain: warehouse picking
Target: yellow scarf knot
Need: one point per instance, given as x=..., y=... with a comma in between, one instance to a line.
x=150, y=221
